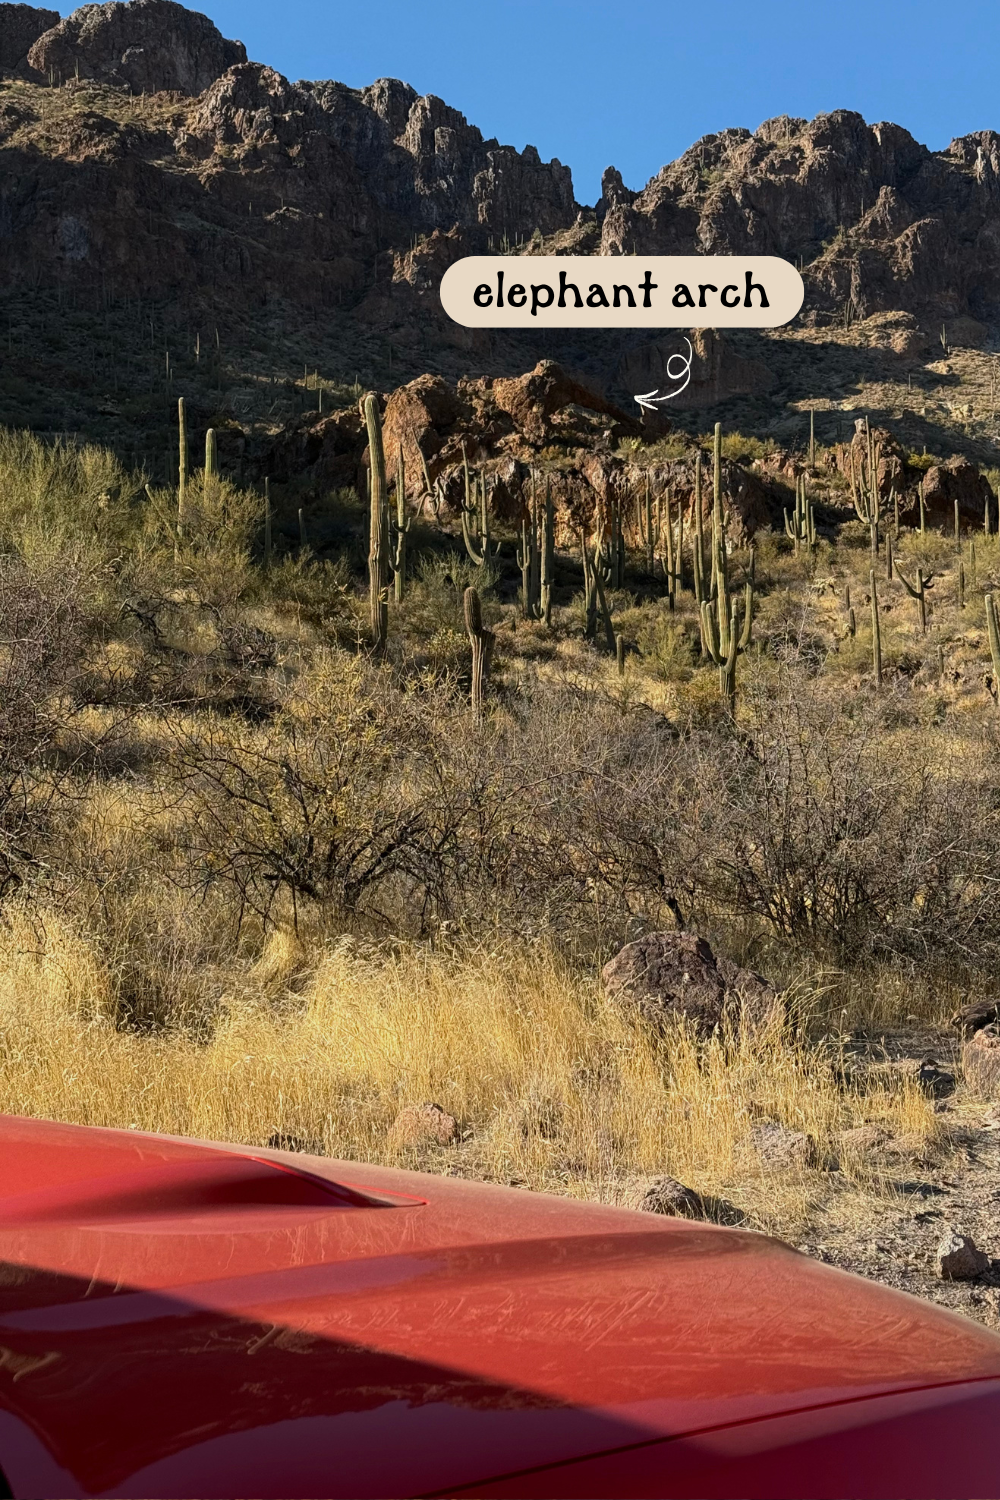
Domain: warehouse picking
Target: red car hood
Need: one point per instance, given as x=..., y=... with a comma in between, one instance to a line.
x=180, y=1318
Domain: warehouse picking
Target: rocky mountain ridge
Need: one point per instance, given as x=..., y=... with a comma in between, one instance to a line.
x=151, y=174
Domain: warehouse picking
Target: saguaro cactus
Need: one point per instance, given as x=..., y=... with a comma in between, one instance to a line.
x=800, y=527
x=378, y=532
x=529, y=559
x=865, y=487
x=649, y=527
x=724, y=641
x=698, y=545
x=993, y=628
x=876, y=632
x=211, y=455
x=482, y=641
x=182, y=466
x=548, y=555
x=476, y=517
x=918, y=591
x=397, y=561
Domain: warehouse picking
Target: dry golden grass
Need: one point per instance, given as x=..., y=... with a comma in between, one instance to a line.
x=551, y=1084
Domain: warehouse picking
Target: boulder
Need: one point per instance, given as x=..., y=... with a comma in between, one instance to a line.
x=665, y=1195
x=981, y=1061
x=957, y=480
x=667, y=975
x=783, y=1149
x=146, y=45
x=972, y=1018
x=531, y=400
x=423, y=1125
x=958, y=1258
x=926, y=1072
x=20, y=28
x=416, y=416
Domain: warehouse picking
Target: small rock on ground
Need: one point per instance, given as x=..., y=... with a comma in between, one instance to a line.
x=424, y=1125
x=779, y=1146
x=960, y=1259
x=668, y=1196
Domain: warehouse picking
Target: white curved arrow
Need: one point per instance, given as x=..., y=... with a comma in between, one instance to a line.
x=651, y=399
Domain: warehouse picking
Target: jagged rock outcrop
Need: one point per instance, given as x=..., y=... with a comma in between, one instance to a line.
x=507, y=429
x=878, y=220
x=957, y=480
x=146, y=45
x=20, y=28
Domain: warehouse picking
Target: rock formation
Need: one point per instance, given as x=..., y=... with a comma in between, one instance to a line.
x=675, y=975
x=145, y=45
x=877, y=221
x=20, y=28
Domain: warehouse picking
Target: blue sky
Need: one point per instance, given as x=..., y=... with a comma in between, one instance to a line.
x=632, y=83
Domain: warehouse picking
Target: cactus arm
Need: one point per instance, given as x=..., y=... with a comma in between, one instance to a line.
x=378, y=542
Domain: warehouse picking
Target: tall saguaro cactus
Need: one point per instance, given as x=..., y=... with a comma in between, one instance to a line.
x=182, y=466
x=482, y=642
x=476, y=517
x=548, y=555
x=529, y=558
x=721, y=638
x=650, y=526
x=378, y=531
x=397, y=561
x=866, y=487
x=918, y=591
x=800, y=526
x=993, y=627
x=698, y=546
x=876, y=631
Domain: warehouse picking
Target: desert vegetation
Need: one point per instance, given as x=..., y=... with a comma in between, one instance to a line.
x=268, y=873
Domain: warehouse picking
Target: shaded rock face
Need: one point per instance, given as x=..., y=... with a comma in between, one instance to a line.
x=145, y=45
x=716, y=372
x=20, y=28
x=957, y=480
x=668, y=975
x=880, y=221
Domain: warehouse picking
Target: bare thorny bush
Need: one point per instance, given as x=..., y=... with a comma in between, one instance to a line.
x=294, y=783
x=817, y=822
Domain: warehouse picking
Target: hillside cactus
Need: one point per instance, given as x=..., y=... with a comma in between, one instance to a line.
x=650, y=527
x=476, y=517
x=482, y=641
x=211, y=455
x=725, y=642
x=397, y=560
x=918, y=591
x=529, y=558
x=993, y=628
x=182, y=466
x=876, y=632
x=800, y=526
x=547, y=555
x=378, y=531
